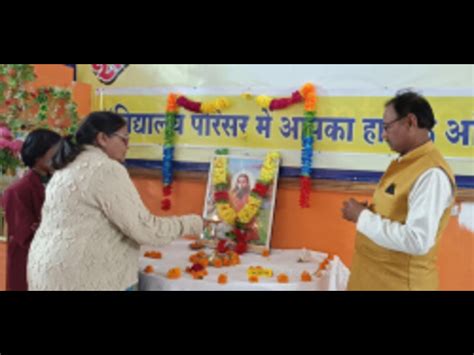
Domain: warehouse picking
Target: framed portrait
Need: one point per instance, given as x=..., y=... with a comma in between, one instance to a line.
x=243, y=175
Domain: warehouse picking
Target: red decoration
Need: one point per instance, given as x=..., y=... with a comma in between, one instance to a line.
x=261, y=189
x=279, y=104
x=167, y=190
x=305, y=191
x=221, y=196
x=165, y=204
x=241, y=247
x=189, y=105
x=222, y=246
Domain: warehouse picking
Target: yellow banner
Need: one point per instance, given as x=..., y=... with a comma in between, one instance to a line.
x=343, y=124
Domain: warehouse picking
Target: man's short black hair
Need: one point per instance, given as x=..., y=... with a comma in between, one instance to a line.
x=406, y=102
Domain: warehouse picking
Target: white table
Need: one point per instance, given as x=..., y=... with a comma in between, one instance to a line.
x=176, y=254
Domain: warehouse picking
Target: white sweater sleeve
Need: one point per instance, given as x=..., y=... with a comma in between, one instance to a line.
x=429, y=197
x=117, y=197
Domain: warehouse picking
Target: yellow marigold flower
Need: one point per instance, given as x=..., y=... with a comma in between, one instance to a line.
x=221, y=103
x=219, y=177
x=274, y=155
x=208, y=107
x=263, y=101
x=226, y=213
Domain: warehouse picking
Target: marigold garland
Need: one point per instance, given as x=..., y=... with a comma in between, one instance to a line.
x=174, y=102
x=240, y=220
x=306, y=94
x=24, y=107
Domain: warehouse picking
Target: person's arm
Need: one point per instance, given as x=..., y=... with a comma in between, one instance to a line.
x=430, y=196
x=120, y=202
x=20, y=217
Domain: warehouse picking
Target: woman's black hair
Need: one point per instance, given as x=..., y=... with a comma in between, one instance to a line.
x=37, y=144
x=71, y=146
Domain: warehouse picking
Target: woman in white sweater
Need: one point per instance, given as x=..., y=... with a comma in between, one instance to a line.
x=93, y=219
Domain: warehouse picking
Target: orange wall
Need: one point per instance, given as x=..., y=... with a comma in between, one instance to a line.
x=320, y=227
x=63, y=76
x=53, y=75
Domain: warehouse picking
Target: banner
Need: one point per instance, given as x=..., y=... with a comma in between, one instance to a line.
x=348, y=125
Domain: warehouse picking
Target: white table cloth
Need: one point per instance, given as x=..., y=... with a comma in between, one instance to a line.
x=177, y=254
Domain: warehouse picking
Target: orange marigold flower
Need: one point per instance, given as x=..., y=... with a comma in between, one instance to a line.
x=282, y=278
x=305, y=276
x=199, y=275
x=226, y=261
x=197, y=245
x=153, y=254
x=253, y=279
x=307, y=89
x=203, y=262
x=310, y=103
x=174, y=273
x=234, y=260
x=149, y=269
x=217, y=262
x=266, y=252
x=171, y=104
x=324, y=264
x=222, y=279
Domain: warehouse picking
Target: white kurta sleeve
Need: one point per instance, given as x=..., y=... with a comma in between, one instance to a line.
x=429, y=197
x=117, y=197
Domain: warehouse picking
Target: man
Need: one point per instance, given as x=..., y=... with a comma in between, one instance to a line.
x=239, y=195
x=23, y=201
x=398, y=234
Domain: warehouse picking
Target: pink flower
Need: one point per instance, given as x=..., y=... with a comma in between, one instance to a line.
x=4, y=143
x=5, y=133
x=15, y=146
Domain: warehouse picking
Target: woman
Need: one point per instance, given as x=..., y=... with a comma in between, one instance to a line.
x=93, y=218
x=23, y=202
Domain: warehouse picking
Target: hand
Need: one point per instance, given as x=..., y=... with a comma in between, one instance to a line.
x=352, y=209
x=207, y=222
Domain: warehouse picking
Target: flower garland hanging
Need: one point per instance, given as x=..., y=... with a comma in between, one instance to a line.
x=23, y=107
x=307, y=94
x=56, y=110
x=168, y=150
x=240, y=220
x=173, y=103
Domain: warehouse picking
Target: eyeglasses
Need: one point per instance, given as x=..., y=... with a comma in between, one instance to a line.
x=386, y=126
x=125, y=139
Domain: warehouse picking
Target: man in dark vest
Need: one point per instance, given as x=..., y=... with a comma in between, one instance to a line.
x=398, y=234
